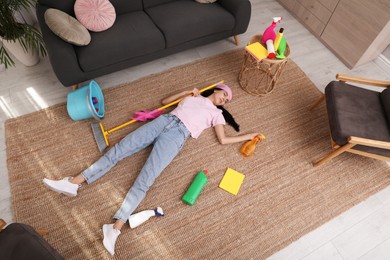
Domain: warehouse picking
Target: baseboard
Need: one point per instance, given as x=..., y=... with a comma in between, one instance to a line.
x=383, y=62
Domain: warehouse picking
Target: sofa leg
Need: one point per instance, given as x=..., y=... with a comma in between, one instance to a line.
x=236, y=39
x=333, y=154
x=75, y=86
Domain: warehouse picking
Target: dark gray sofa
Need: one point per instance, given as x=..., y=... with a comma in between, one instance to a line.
x=144, y=30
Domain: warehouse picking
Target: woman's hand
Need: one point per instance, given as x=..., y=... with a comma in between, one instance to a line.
x=260, y=135
x=195, y=92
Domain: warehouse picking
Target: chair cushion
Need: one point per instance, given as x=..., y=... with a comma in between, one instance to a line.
x=95, y=15
x=355, y=111
x=183, y=21
x=385, y=98
x=20, y=241
x=132, y=35
x=67, y=27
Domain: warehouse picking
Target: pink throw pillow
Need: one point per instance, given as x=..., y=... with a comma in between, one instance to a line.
x=95, y=15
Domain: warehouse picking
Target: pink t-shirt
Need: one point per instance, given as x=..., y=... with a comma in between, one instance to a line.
x=197, y=114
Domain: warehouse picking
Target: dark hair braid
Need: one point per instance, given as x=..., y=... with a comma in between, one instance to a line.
x=228, y=117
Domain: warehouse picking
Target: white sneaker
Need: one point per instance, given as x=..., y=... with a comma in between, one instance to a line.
x=110, y=234
x=63, y=186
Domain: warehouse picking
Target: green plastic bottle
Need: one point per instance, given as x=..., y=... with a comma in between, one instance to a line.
x=195, y=188
x=281, y=49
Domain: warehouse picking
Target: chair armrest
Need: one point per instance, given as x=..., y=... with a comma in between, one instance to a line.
x=241, y=10
x=369, y=142
x=371, y=82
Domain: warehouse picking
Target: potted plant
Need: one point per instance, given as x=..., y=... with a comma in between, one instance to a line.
x=18, y=32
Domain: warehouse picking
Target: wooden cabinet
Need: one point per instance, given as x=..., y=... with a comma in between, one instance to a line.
x=357, y=31
x=329, y=4
x=314, y=14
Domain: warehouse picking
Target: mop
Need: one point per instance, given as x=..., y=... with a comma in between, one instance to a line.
x=101, y=135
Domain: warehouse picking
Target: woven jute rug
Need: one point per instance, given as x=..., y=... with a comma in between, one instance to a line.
x=282, y=198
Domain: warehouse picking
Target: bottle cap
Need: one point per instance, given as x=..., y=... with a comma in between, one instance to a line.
x=271, y=55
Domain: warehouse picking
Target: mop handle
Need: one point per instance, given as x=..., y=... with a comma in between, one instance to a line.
x=164, y=107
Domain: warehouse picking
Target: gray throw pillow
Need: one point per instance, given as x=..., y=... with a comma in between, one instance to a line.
x=67, y=27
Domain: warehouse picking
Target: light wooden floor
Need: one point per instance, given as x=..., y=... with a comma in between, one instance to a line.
x=362, y=232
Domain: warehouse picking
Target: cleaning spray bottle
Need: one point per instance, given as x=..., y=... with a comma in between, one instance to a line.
x=138, y=218
x=249, y=147
x=278, y=38
x=269, y=36
x=281, y=49
x=195, y=188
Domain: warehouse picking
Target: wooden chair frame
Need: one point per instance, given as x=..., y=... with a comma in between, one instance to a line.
x=2, y=224
x=353, y=140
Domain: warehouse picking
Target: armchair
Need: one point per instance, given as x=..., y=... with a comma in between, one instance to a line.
x=20, y=241
x=359, y=118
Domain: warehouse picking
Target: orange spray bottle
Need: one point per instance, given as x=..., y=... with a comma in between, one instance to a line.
x=250, y=146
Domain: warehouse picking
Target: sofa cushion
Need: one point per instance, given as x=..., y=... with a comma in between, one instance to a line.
x=67, y=27
x=122, y=7
x=183, y=21
x=355, y=111
x=205, y=1
x=95, y=15
x=65, y=6
x=151, y=3
x=132, y=35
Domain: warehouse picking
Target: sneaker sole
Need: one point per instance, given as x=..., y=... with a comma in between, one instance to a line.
x=59, y=191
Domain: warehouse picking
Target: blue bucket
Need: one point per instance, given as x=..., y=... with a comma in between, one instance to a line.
x=86, y=102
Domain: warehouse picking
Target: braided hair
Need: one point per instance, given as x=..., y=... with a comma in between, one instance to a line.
x=228, y=117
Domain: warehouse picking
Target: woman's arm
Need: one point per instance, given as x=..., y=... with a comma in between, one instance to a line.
x=223, y=139
x=195, y=92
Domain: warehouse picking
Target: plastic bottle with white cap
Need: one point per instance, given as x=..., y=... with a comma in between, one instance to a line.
x=138, y=218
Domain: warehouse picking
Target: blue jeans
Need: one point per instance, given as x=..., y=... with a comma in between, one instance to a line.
x=167, y=134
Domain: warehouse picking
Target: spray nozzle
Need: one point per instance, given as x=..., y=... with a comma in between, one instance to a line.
x=277, y=19
x=158, y=212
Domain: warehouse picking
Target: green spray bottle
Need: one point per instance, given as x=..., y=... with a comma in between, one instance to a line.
x=195, y=188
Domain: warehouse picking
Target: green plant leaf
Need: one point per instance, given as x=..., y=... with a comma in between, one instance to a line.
x=5, y=58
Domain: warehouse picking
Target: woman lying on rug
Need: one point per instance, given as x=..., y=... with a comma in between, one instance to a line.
x=168, y=134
